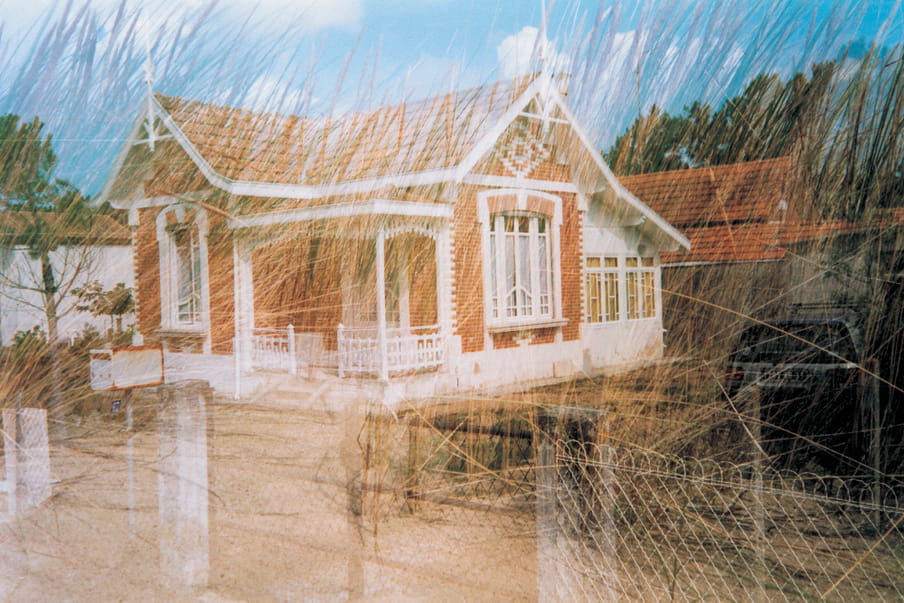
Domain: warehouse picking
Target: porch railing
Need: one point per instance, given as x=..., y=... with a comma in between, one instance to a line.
x=410, y=349
x=274, y=349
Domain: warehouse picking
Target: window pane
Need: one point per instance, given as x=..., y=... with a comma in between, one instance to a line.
x=649, y=295
x=545, y=275
x=524, y=274
x=187, y=275
x=631, y=262
x=611, y=262
x=510, y=284
x=646, y=262
x=494, y=283
x=633, y=305
x=612, y=305
x=594, y=301
x=593, y=262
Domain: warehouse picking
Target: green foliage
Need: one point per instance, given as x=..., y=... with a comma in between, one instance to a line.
x=29, y=343
x=26, y=159
x=111, y=302
x=762, y=122
x=44, y=212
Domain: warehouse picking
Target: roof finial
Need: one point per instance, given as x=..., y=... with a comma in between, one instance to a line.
x=541, y=38
x=149, y=80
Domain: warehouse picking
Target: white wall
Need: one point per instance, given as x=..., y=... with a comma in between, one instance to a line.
x=21, y=309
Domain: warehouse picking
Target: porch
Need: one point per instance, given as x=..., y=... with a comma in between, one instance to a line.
x=362, y=296
x=360, y=351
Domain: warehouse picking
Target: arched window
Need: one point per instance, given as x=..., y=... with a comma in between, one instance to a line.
x=520, y=266
x=521, y=258
x=182, y=241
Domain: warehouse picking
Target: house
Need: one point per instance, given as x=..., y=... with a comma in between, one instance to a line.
x=754, y=249
x=469, y=241
x=99, y=252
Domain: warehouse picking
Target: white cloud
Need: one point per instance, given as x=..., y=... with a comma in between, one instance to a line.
x=519, y=54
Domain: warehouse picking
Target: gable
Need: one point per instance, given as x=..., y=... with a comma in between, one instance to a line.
x=509, y=129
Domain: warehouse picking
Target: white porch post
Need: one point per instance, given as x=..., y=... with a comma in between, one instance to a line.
x=444, y=285
x=381, y=303
x=244, y=303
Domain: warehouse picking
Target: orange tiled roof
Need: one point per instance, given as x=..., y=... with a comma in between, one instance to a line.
x=741, y=192
x=102, y=230
x=752, y=242
x=427, y=134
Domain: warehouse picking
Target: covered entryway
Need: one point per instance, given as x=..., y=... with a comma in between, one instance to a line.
x=360, y=295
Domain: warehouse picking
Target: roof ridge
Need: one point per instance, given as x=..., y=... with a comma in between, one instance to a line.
x=518, y=84
x=688, y=173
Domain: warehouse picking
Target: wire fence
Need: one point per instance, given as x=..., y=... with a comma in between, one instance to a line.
x=625, y=523
x=638, y=525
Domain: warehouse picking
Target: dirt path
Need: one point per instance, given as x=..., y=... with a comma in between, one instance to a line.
x=277, y=524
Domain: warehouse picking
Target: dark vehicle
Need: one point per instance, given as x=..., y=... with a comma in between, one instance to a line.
x=795, y=355
x=806, y=374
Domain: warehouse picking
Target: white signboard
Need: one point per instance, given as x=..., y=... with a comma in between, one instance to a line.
x=123, y=368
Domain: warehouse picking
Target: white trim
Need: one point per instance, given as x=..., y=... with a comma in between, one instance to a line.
x=510, y=182
x=384, y=207
x=166, y=251
x=483, y=217
x=119, y=161
x=494, y=132
x=623, y=193
x=540, y=86
x=546, y=118
x=526, y=326
x=717, y=263
x=396, y=231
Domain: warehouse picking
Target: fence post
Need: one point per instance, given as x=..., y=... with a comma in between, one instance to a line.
x=182, y=482
x=546, y=525
x=758, y=511
x=869, y=392
x=412, y=489
x=290, y=333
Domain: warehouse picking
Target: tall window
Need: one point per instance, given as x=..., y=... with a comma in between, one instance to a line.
x=602, y=289
x=520, y=266
x=181, y=239
x=640, y=278
x=187, y=273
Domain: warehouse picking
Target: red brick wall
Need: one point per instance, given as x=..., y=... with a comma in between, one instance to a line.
x=468, y=276
x=147, y=275
x=571, y=237
x=467, y=267
x=221, y=283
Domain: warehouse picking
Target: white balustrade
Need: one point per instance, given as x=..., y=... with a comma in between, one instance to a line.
x=410, y=349
x=274, y=349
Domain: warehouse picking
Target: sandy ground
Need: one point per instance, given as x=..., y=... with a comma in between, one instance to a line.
x=277, y=523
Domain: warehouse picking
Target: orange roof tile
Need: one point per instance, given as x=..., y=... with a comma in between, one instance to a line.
x=741, y=192
x=427, y=134
x=102, y=230
x=752, y=242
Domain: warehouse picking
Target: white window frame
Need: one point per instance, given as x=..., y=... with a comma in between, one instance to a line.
x=516, y=203
x=630, y=287
x=644, y=269
x=606, y=282
x=169, y=270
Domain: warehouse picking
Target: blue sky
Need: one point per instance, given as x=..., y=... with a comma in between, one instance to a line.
x=81, y=70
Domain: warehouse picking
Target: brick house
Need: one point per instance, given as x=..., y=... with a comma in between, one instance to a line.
x=469, y=241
